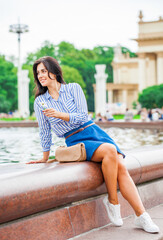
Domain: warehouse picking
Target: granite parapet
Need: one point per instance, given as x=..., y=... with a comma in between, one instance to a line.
x=29, y=189
x=153, y=125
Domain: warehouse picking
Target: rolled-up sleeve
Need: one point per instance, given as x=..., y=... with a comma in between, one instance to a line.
x=44, y=128
x=81, y=115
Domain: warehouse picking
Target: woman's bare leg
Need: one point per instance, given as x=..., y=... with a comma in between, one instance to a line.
x=114, y=170
x=107, y=154
x=127, y=187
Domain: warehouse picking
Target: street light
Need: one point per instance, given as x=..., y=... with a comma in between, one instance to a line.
x=19, y=29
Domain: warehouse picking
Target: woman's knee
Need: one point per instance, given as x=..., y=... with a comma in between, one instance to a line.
x=104, y=153
x=121, y=166
x=109, y=154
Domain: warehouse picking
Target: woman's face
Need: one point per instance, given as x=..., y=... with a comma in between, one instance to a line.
x=42, y=75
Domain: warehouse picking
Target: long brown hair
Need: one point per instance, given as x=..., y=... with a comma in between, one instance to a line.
x=52, y=66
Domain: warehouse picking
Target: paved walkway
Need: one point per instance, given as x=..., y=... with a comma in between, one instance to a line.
x=128, y=230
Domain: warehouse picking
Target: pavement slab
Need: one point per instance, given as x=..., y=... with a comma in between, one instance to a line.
x=128, y=231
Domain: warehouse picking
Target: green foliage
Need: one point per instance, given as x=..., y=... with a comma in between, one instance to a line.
x=63, y=48
x=8, y=86
x=11, y=119
x=134, y=104
x=118, y=116
x=47, y=49
x=78, y=66
x=83, y=61
x=71, y=75
x=121, y=116
x=152, y=97
x=126, y=50
x=5, y=105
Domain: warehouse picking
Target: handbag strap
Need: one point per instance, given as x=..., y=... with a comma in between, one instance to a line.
x=79, y=130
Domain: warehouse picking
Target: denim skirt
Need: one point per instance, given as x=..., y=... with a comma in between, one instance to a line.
x=93, y=136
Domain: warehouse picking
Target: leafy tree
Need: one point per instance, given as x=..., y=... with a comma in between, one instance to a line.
x=8, y=86
x=5, y=105
x=83, y=61
x=126, y=50
x=89, y=54
x=47, y=49
x=72, y=75
x=105, y=56
x=80, y=60
x=63, y=48
x=152, y=97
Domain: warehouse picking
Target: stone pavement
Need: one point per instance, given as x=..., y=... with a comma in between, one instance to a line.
x=128, y=231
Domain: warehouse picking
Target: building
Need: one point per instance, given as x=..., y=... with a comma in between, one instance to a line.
x=132, y=75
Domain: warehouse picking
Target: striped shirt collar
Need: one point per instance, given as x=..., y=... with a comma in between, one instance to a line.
x=62, y=89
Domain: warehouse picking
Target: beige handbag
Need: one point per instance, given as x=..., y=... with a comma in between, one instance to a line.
x=75, y=153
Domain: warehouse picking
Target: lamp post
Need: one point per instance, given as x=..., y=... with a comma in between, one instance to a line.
x=19, y=29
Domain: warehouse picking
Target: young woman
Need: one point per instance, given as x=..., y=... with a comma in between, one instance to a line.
x=62, y=108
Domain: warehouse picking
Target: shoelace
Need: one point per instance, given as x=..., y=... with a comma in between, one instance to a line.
x=147, y=220
x=114, y=211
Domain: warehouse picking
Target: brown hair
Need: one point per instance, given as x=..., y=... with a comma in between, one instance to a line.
x=52, y=66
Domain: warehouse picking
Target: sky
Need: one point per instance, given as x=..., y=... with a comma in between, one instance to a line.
x=84, y=23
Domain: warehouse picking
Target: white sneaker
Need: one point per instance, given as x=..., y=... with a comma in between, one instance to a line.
x=113, y=212
x=145, y=222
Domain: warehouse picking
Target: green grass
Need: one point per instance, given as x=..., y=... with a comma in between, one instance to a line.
x=17, y=119
x=118, y=117
x=137, y=117
x=52, y=157
x=11, y=119
x=121, y=116
x=32, y=118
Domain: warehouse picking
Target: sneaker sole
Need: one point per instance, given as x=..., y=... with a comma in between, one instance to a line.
x=140, y=227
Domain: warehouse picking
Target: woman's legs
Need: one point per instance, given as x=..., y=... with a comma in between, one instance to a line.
x=128, y=189
x=107, y=154
x=114, y=170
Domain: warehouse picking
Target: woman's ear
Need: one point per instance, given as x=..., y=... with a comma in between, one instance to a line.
x=52, y=76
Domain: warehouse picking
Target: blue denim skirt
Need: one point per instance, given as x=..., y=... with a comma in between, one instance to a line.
x=93, y=136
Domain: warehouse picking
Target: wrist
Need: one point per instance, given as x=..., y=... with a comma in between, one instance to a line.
x=45, y=156
x=44, y=160
x=64, y=116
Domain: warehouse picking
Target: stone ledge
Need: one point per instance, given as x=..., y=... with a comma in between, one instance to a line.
x=29, y=189
x=77, y=218
x=5, y=124
x=137, y=125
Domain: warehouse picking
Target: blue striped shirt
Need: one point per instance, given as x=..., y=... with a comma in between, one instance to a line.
x=71, y=100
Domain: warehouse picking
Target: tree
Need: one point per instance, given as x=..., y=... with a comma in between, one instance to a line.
x=105, y=56
x=8, y=86
x=47, y=49
x=71, y=75
x=126, y=50
x=152, y=97
x=63, y=48
x=83, y=61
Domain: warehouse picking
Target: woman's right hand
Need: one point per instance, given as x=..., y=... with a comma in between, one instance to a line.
x=37, y=161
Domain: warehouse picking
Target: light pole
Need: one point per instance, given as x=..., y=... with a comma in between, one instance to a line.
x=19, y=29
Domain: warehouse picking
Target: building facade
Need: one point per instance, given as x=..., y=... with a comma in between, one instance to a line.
x=132, y=75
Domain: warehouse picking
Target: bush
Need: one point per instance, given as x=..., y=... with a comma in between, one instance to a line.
x=152, y=97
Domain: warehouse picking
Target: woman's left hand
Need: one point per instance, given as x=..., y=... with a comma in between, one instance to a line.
x=51, y=112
